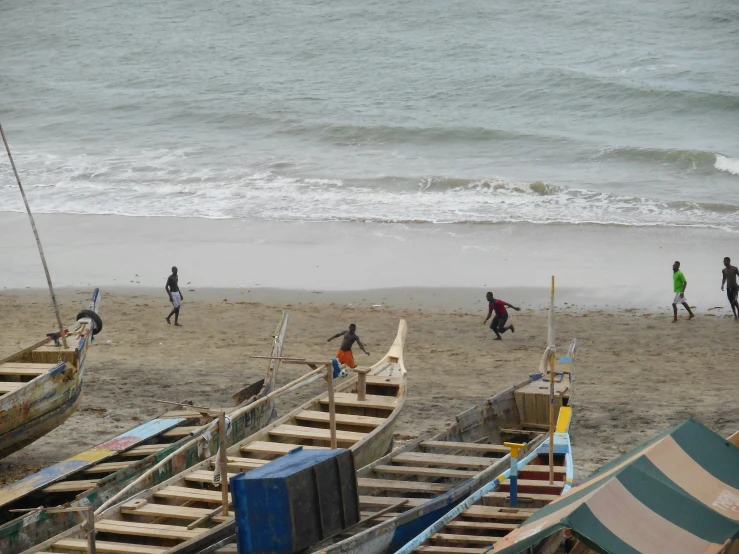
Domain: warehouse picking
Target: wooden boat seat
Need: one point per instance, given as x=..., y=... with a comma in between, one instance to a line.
x=469, y=539
x=24, y=370
x=487, y=512
x=496, y=448
x=345, y=419
x=170, y=512
x=313, y=433
x=272, y=448
x=542, y=471
x=444, y=460
x=179, y=432
x=539, y=486
x=108, y=467
x=522, y=497
x=383, y=380
x=106, y=547
x=147, y=529
x=242, y=464
x=402, y=486
x=186, y=493
x=228, y=549
x=448, y=550
x=425, y=471
x=72, y=486
x=372, y=401
x=144, y=450
x=7, y=387
x=480, y=525
x=385, y=501
x=202, y=476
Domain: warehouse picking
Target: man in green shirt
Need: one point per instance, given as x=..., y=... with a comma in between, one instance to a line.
x=679, y=285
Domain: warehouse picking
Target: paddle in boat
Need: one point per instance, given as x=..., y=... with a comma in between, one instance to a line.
x=96, y=475
x=184, y=511
x=40, y=386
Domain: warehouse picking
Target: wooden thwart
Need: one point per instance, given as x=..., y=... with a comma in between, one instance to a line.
x=171, y=512
x=497, y=448
x=444, y=460
x=147, y=529
x=372, y=401
x=469, y=539
x=341, y=419
x=273, y=448
x=145, y=450
x=72, y=486
x=425, y=471
x=106, y=547
x=186, y=493
x=403, y=486
x=314, y=433
x=108, y=467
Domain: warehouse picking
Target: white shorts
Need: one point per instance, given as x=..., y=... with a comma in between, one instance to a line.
x=678, y=300
x=176, y=299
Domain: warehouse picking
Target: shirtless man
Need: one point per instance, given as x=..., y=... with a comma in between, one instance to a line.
x=175, y=296
x=344, y=355
x=501, y=315
x=730, y=272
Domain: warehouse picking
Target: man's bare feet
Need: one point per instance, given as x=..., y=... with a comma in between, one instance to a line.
x=691, y=316
x=497, y=338
x=168, y=321
x=674, y=320
x=177, y=325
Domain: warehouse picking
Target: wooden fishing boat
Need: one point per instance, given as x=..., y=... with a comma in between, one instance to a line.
x=40, y=385
x=180, y=510
x=96, y=475
x=492, y=511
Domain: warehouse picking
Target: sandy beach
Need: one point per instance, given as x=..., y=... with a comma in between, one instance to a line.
x=637, y=374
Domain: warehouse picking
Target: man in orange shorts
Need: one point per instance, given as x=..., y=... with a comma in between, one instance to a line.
x=344, y=355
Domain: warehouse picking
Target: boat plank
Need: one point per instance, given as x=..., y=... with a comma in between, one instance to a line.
x=404, y=486
x=498, y=448
x=460, y=524
x=448, y=550
x=314, y=433
x=425, y=471
x=202, y=476
x=271, y=448
x=108, y=467
x=349, y=399
x=22, y=371
x=523, y=496
x=72, y=486
x=347, y=419
x=147, y=529
x=145, y=450
x=8, y=387
x=179, y=432
x=174, y=512
x=186, y=493
x=106, y=547
x=444, y=460
x=469, y=539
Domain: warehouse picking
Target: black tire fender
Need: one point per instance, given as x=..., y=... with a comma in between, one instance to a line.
x=95, y=318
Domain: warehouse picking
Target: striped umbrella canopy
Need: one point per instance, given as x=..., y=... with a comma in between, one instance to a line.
x=678, y=493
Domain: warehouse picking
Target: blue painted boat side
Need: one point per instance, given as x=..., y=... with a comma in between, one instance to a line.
x=405, y=532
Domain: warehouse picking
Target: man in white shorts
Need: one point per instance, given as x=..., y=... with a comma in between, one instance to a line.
x=679, y=285
x=175, y=296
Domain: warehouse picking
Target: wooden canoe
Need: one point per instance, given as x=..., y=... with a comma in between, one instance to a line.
x=156, y=520
x=40, y=385
x=97, y=474
x=475, y=525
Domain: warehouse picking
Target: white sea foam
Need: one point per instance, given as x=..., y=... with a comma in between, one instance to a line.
x=730, y=165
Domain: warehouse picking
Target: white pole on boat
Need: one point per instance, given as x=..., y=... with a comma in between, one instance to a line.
x=551, y=388
x=331, y=404
x=223, y=461
x=38, y=240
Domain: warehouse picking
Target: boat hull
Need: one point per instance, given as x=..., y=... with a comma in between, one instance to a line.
x=25, y=532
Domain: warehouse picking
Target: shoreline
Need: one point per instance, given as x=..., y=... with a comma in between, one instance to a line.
x=595, y=267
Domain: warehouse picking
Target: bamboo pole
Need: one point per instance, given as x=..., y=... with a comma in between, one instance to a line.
x=38, y=240
x=551, y=395
x=91, y=549
x=223, y=461
x=331, y=405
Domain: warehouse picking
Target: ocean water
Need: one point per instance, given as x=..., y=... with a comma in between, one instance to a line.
x=614, y=112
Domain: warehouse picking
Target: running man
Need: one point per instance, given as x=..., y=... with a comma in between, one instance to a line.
x=730, y=272
x=175, y=296
x=679, y=285
x=501, y=315
x=344, y=355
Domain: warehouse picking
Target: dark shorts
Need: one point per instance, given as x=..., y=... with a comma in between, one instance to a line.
x=498, y=323
x=731, y=293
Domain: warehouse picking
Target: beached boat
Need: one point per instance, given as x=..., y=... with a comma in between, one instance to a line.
x=96, y=475
x=40, y=385
x=179, y=512
x=488, y=514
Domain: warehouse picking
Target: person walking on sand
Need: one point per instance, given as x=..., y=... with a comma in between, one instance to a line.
x=344, y=355
x=501, y=315
x=730, y=272
x=175, y=296
x=679, y=285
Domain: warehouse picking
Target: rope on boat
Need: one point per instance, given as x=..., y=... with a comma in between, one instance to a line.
x=38, y=240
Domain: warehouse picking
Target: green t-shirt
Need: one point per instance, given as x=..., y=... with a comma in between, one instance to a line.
x=678, y=280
